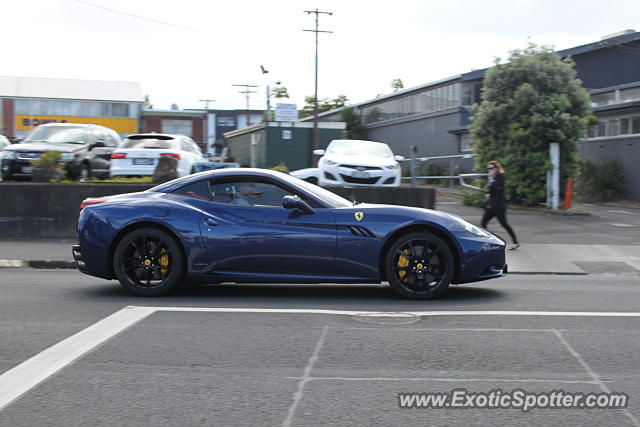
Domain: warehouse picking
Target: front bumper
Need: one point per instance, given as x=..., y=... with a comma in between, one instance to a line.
x=352, y=176
x=482, y=259
x=22, y=168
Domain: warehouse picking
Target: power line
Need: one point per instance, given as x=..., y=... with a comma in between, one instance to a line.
x=131, y=15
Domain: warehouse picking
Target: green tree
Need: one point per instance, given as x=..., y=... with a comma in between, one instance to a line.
x=397, y=84
x=355, y=129
x=280, y=92
x=324, y=104
x=527, y=103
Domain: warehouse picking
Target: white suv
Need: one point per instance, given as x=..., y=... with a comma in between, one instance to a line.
x=354, y=162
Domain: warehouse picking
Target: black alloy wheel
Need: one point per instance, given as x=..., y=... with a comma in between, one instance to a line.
x=419, y=266
x=148, y=262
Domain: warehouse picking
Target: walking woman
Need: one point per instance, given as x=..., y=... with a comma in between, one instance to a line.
x=495, y=204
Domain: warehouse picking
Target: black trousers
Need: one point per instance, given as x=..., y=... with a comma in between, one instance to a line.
x=500, y=212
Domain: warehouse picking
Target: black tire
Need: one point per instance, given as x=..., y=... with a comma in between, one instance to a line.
x=84, y=173
x=419, y=266
x=312, y=180
x=148, y=262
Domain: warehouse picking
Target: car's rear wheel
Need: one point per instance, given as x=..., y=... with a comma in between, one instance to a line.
x=148, y=262
x=419, y=266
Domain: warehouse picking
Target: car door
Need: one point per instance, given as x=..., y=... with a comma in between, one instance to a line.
x=253, y=233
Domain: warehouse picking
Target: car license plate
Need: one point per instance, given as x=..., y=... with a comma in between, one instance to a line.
x=27, y=169
x=142, y=161
x=360, y=174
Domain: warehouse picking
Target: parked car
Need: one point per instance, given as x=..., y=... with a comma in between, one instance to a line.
x=4, y=142
x=139, y=154
x=257, y=225
x=358, y=163
x=86, y=150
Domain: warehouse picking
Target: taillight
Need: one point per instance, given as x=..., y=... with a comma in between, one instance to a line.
x=87, y=202
x=118, y=155
x=174, y=155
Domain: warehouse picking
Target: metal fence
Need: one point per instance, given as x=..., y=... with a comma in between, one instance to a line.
x=414, y=177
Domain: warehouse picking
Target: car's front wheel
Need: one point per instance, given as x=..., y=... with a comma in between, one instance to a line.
x=148, y=262
x=419, y=266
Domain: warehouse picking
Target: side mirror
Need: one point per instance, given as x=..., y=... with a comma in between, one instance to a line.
x=318, y=152
x=295, y=202
x=399, y=158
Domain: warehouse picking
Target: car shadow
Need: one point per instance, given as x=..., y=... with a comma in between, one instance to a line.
x=340, y=294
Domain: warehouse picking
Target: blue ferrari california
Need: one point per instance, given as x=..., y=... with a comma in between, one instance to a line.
x=255, y=225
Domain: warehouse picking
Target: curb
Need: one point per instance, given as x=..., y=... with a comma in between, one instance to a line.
x=36, y=263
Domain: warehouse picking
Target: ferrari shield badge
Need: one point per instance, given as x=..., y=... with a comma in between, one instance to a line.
x=359, y=216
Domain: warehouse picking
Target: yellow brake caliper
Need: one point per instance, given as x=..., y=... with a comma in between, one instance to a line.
x=164, y=261
x=403, y=261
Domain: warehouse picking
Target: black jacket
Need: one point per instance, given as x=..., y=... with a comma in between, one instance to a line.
x=496, y=192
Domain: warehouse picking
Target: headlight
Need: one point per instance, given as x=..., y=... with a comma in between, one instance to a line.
x=470, y=227
x=65, y=157
x=329, y=162
x=393, y=166
x=8, y=154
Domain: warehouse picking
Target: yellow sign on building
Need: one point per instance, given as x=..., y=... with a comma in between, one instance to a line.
x=120, y=125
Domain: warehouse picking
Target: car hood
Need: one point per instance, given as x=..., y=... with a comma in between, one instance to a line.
x=360, y=159
x=44, y=146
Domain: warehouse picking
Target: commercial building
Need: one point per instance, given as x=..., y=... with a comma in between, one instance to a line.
x=26, y=102
x=185, y=122
x=435, y=117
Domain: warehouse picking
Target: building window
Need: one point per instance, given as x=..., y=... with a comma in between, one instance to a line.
x=182, y=127
x=114, y=109
x=465, y=142
x=629, y=95
x=606, y=98
x=427, y=101
x=226, y=122
x=614, y=127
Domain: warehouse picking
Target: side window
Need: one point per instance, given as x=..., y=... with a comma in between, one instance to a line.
x=197, y=190
x=248, y=193
x=186, y=146
x=110, y=139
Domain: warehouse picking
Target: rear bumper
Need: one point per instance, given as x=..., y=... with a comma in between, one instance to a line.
x=78, y=260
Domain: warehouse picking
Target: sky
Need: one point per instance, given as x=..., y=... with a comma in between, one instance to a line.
x=187, y=50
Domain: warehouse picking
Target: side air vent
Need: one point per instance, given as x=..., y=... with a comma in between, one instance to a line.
x=359, y=231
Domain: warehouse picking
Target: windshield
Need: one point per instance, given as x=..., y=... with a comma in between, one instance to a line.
x=370, y=148
x=72, y=134
x=148, y=143
x=326, y=196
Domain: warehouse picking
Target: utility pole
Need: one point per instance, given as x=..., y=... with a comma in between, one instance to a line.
x=268, y=118
x=314, y=135
x=246, y=91
x=206, y=102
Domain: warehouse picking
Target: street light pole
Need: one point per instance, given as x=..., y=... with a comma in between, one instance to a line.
x=314, y=136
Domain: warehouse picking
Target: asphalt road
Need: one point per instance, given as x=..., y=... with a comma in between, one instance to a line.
x=177, y=367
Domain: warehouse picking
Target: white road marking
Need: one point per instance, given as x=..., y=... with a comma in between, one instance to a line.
x=592, y=373
x=415, y=313
x=25, y=376
x=12, y=263
x=619, y=224
x=22, y=378
x=297, y=396
x=514, y=380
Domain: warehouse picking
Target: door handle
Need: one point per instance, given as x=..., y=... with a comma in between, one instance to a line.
x=210, y=222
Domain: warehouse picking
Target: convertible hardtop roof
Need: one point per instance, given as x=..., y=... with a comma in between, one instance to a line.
x=170, y=186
